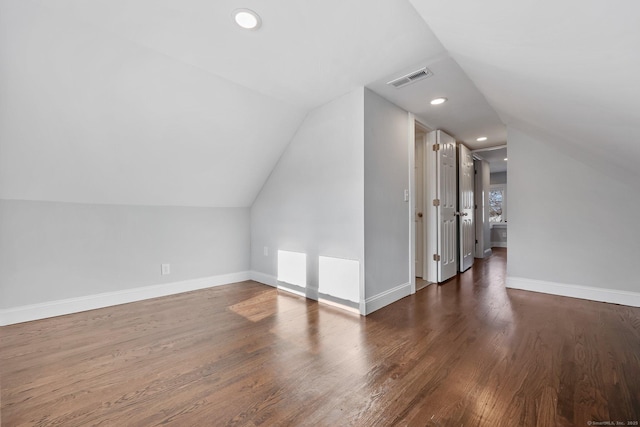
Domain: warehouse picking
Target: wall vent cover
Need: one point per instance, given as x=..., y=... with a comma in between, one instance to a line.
x=413, y=77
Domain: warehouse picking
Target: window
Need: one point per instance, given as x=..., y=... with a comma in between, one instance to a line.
x=498, y=204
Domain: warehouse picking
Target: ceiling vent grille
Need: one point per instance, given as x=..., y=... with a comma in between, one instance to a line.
x=413, y=77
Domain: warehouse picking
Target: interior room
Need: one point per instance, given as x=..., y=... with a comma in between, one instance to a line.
x=498, y=212
x=298, y=213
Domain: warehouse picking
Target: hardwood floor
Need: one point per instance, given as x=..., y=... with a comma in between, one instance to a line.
x=464, y=353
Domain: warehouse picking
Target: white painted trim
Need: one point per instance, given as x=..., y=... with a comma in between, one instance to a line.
x=421, y=126
x=498, y=244
x=352, y=310
x=430, y=211
x=292, y=291
x=425, y=209
x=44, y=310
x=502, y=225
x=497, y=147
x=385, y=298
x=411, y=151
x=265, y=279
x=575, y=291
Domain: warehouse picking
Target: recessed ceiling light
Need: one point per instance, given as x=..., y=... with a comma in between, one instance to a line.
x=482, y=138
x=438, y=101
x=505, y=159
x=247, y=19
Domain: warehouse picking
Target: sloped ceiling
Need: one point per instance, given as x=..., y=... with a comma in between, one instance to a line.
x=167, y=102
x=565, y=71
x=466, y=115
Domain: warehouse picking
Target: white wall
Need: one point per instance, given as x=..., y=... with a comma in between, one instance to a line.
x=102, y=134
x=569, y=224
x=499, y=235
x=386, y=214
x=338, y=191
x=498, y=178
x=51, y=251
x=313, y=201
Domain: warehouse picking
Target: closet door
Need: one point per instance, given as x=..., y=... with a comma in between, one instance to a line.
x=447, y=174
x=466, y=224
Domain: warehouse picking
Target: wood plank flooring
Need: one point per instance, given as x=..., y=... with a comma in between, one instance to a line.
x=466, y=353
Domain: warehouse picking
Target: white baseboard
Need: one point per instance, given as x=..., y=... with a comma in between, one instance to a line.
x=484, y=254
x=44, y=310
x=498, y=244
x=292, y=291
x=385, y=298
x=338, y=305
x=575, y=291
x=265, y=279
x=372, y=304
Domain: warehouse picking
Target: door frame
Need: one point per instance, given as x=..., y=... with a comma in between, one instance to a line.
x=428, y=230
x=419, y=208
x=431, y=211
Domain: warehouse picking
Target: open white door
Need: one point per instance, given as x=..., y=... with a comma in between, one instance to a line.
x=446, y=201
x=467, y=233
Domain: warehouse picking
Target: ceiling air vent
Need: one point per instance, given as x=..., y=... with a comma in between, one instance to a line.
x=422, y=73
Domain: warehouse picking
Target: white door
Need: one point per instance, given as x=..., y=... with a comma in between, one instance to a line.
x=466, y=229
x=447, y=174
x=419, y=209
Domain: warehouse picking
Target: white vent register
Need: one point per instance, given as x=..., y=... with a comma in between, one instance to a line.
x=413, y=77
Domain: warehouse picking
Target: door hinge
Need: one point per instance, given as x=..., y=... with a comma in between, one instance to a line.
x=436, y=202
x=436, y=147
x=436, y=257
x=476, y=206
x=476, y=241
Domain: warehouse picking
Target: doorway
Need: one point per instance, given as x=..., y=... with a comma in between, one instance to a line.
x=492, y=162
x=420, y=211
x=419, y=208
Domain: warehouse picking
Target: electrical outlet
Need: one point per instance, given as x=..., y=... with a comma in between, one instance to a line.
x=165, y=269
x=266, y=251
x=406, y=195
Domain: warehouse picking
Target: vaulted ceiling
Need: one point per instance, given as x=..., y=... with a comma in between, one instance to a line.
x=168, y=102
x=565, y=71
